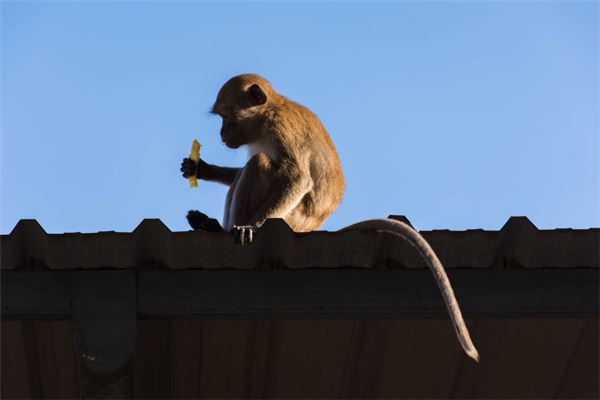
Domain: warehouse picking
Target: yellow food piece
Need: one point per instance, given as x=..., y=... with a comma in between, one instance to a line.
x=194, y=155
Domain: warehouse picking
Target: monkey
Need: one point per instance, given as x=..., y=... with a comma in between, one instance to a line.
x=296, y=176
x=293, y=172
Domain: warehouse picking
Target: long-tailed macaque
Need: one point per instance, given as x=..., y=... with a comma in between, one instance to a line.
x=293, y=172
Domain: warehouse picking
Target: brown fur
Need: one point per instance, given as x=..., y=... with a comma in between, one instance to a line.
x=294, y=171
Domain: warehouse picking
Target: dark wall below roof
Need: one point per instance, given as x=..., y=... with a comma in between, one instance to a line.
x=320, y=358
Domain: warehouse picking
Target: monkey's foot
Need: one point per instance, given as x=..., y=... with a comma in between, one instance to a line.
x=244, y=234
x=200, y=221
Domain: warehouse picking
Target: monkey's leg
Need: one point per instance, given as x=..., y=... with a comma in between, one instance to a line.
x=227, y=208
x=250, y=191
x=201, y=221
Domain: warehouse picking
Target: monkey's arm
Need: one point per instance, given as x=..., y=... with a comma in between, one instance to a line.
x=224, y=175
x=289, y=187
x=292, y=182
x=208, y=172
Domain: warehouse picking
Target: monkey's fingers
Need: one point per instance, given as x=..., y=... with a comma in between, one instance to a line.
x=187, y=163
x=186, y=174
x=188, y=167
x=239, y=234
x=244, y=234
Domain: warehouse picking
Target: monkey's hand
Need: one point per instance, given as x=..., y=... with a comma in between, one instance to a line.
x=190, y=167
x=244, y=234
x=201, y=221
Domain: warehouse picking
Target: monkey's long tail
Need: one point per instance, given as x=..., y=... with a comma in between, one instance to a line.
x=413, y=237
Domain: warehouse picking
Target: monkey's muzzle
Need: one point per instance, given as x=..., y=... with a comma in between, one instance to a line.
x=231, y=139
x=230, y=136
x=231, y=143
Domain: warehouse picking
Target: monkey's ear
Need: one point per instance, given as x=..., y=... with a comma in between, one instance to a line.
x=257, y=95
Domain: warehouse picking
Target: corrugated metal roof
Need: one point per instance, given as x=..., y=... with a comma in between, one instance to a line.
x=519, y=244
x=307, y=356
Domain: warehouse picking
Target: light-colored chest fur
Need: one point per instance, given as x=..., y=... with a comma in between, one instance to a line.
x=263, y=147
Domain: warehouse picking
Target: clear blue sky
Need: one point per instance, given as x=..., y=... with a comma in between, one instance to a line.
x=457, y=114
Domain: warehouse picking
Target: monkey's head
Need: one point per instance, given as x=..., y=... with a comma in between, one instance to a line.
x=241, y=103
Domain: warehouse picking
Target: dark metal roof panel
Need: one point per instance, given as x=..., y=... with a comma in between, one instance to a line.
x=519, y=244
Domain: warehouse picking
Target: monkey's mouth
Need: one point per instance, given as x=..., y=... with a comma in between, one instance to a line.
x=231, y=142
x=232, y=146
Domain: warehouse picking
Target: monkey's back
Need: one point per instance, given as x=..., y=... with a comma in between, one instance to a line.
x=310, y=143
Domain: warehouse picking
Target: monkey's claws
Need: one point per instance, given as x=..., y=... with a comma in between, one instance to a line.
x=244, y=234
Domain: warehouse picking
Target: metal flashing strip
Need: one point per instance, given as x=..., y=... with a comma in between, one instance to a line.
x=397, y=293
